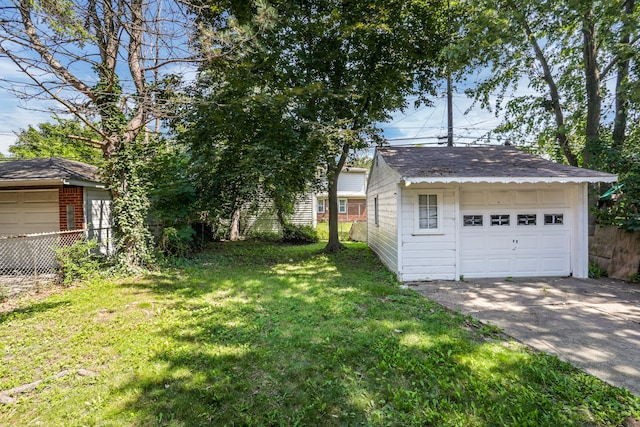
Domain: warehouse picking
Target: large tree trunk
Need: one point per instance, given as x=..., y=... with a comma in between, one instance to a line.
x=592, y=86
x=333, y=173
x=234, y=229
x=620, y=119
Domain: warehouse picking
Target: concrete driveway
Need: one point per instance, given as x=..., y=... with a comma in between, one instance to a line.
x=594, y=324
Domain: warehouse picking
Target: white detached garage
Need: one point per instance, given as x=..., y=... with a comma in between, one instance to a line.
x=441, y=213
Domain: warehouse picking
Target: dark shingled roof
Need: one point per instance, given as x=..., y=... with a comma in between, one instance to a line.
x=50, y=168
x=476, y=162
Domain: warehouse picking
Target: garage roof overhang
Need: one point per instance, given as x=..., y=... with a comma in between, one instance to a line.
x=507, y=180
x=50, y=182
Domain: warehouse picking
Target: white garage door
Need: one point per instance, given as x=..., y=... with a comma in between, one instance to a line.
x=499, y=240
x=24, y=212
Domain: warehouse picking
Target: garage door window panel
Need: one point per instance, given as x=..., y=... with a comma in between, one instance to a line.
x=500, y=220
x=472, y=220
x=553, y=219
x=527, y=219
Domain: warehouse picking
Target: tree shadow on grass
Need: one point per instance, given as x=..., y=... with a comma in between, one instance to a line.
x=316, y=341
x=30, y=310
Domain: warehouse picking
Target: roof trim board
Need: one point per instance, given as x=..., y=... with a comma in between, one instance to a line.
x=407, y=181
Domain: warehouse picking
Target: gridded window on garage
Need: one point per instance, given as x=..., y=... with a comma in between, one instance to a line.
x=472, y=220
x=527, y=219
x=553, y=219
x=500, y=220
x=428, y=211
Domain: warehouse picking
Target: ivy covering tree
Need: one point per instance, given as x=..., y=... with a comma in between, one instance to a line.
x=335, y=69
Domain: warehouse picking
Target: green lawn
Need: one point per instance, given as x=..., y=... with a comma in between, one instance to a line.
x=253, y=334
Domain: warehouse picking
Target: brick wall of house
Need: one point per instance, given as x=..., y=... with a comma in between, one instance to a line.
x=71, y=196
x=356, y=211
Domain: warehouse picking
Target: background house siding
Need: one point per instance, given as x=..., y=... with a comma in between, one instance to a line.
x=352, y=182
x=383, y=237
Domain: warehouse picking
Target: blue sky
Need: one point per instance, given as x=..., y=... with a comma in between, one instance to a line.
x=424, y=125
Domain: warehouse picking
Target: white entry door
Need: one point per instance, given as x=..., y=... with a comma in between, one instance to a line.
x=515, y=243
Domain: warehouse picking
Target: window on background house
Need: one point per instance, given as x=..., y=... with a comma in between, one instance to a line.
x=71, y=217
x=342, y=206
x=321, y=206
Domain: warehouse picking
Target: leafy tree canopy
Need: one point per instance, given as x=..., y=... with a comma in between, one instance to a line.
x=331, y=69
x=64, y=138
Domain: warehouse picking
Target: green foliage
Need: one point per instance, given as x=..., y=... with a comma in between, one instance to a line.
x=623, y=210
x=596, y=272
x=173, y=204
x=306, y=92
x=77, y=262
x=52, y=140
x=178, y=242
x=299, y=234
x=547, y=45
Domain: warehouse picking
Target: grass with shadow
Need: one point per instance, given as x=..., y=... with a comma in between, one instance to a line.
x=257, y=334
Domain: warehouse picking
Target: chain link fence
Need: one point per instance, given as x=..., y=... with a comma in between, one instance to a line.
x=29, y=260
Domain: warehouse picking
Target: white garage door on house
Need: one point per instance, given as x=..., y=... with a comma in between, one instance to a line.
x=29, y=211
x=515, y=233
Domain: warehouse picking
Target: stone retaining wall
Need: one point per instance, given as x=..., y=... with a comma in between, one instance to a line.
x=616, y=251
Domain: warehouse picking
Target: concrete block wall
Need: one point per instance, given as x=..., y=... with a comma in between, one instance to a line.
x=615, y=250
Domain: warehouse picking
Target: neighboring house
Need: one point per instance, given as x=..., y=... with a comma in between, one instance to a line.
x=265, y=220
x=446, y=213
x=47, y=195
x=352, y=197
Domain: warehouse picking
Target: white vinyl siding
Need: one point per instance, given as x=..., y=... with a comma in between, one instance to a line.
x=428, y=254
x=97, y=215
x=383, y=238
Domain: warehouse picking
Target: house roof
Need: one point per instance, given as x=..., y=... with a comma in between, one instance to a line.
x=501, y=163
x=48, y=171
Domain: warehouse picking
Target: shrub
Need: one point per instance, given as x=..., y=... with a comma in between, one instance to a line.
x=596, y=272
x=78, y=261
x=177, y=240
x=299, y=234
